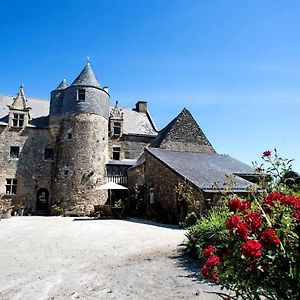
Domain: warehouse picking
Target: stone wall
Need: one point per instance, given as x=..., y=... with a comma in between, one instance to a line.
x=163, y=180
x=132, y=146
x=31, y=169
x=81, y=149
x=136, y=176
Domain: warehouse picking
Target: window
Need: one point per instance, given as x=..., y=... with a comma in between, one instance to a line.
x=14, y=152
x=11, y=186
x=151, y=196
x=81, y=95
x=65, y=172
x=49, y=154
x=69, y=134
x=116, y=153
x=208, y=203
x=18, y=120
x=117, y=129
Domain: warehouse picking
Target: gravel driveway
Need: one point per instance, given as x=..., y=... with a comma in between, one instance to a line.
x=63, y=258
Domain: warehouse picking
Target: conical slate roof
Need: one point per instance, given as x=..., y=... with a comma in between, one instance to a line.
x=86, y=78
x=62, y=85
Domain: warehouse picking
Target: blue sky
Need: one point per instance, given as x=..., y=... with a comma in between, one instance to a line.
x=234, y=64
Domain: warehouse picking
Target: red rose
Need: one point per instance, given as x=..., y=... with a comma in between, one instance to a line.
x=296, y=216
x=244, y=205
x=209, y=251
x=215, y=278
x=205, y=272
x=242, y=231
x=267, y=153
x=290, y=200
x=268, y=238
x=234, y=204
x=273, y=197
x=251, y=249
x=254, y=219
x=232, y=222
x=212, y=261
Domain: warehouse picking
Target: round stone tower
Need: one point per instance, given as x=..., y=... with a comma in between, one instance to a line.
x=81, y=119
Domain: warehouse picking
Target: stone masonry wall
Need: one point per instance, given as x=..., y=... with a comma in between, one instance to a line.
x=31, y=170
x=131, y=146
x=163, y=180
x=82, y=149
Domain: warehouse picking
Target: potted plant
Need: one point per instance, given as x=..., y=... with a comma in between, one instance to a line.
x=20, y=208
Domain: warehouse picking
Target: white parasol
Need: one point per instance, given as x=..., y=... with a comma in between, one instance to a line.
x=111, y=186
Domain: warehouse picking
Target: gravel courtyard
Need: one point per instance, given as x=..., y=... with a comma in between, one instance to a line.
x=63, y=258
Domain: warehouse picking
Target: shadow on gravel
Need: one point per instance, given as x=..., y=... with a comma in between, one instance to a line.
x=132, y=220
x=193, y=266
x=153, y=223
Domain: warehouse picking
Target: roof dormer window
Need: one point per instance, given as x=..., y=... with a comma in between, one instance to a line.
x=18, y=120
x=81, y=95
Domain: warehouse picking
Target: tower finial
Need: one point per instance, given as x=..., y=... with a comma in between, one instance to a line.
x=22, y=88
x=88, y=60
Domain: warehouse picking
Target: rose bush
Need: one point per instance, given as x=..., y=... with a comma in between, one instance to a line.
x=261, y=257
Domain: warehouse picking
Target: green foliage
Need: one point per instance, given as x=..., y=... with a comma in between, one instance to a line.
x=208, y=230
x=136, y=205
x=261, y=257
x=190, y=220
x=56, y=209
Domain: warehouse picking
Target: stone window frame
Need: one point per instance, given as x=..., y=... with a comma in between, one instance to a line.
x=81, y=93
x=18, y=120
x=11, y=186
x=70, y=134
x=208, y=203
x=14, y=152
x=66, y=172
x=48, y=154
x=117, y=129
x=151, y=195
x=116, y=153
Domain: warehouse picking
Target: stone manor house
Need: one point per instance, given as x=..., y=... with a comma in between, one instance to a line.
x=63, y=149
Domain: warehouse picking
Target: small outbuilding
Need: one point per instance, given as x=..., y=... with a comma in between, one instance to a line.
x=181, y=153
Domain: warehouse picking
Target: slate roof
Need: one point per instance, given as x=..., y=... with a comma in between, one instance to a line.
x=137, y=122
x=134, y=122
x=87, y=77
x=62, y=85
x=204, y=170
x=39, y=107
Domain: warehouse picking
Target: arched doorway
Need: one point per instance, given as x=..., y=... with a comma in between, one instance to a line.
x=42, y=199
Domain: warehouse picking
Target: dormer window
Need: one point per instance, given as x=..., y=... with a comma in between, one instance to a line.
x=18, y=120
x=117, y=128
x=81, y=95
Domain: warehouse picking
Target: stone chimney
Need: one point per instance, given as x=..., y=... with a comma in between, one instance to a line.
x=141, y=106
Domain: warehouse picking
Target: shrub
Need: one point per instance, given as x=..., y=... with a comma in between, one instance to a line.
x=261, y=257
x=56, y=210
x=208, y=230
